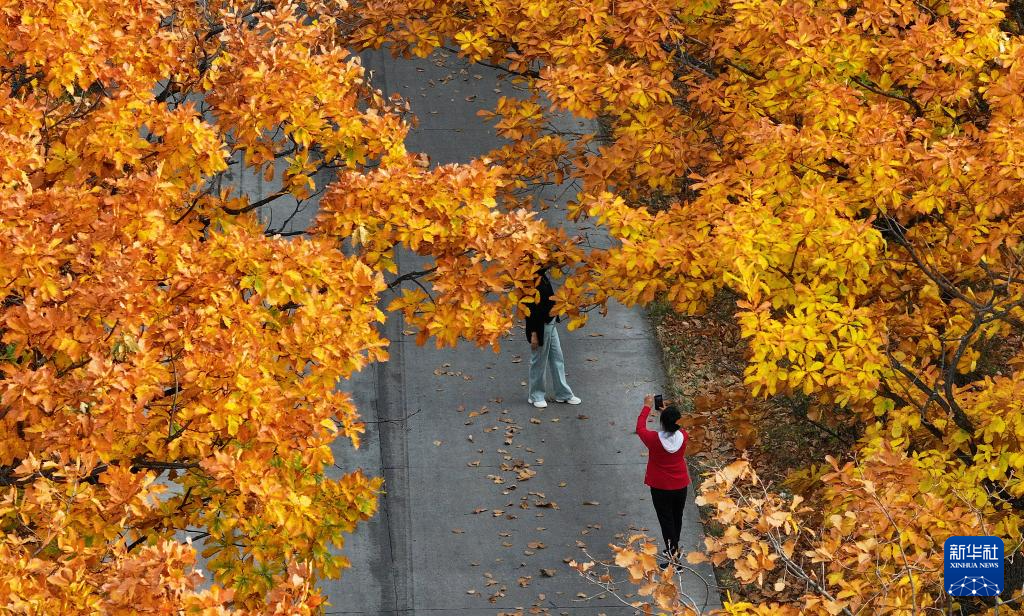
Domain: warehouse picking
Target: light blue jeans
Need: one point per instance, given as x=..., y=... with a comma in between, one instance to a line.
x=548, y=355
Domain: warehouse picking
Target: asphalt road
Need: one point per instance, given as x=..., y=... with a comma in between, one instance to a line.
x=486, y=496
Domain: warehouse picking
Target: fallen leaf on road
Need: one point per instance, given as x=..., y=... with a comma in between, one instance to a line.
x=472, y=591
x=506, y=544
x=548, y=572
x=479, y=510
x=437, y=443
x=536, y=545
x=473, y=463
x=525, y=580
x=529, y=552
x=582, y=416
x=534, y=420
x=457, y=531
x=593, y=503
x=561, y=484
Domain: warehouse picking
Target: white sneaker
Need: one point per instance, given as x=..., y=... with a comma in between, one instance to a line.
x=573, y=400
x=539, y=403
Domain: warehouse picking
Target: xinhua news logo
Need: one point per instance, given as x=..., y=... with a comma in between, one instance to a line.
x=973, y=566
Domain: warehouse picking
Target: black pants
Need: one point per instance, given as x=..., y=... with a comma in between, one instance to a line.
x=669, y=506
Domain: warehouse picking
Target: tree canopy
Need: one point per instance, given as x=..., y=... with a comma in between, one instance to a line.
x=169, y=360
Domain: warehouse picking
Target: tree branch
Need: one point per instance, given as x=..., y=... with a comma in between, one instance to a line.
x=864, y=83
x=8, y=478
x=410, y=276
x=527, y=73
x=256, y=204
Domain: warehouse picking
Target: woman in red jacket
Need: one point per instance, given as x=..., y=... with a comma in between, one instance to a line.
x=666, y=475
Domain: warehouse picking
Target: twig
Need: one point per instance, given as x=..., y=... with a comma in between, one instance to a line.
x=256, y=204
x=918, y=110
x=899, y=542
x=410, y=276
x=400, y=420
x=527, y=73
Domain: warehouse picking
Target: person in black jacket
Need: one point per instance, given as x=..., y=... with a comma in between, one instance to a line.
x=545, y=347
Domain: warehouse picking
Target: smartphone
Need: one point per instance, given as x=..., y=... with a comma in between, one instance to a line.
x=659, y=400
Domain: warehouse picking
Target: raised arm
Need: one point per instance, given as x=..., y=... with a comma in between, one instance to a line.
x=647, y=436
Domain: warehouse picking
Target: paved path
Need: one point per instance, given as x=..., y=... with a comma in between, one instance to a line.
x=445, y=421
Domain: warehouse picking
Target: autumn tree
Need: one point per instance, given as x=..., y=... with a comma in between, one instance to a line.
x=853, y=170
x=169, y=361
